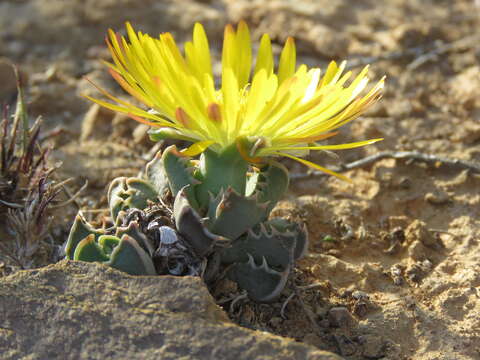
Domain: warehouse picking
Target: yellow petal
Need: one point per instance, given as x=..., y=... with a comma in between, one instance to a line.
x=265, y=56
x=312, y=86
x=323, y=147
x=315, y=166
x=202, y=49
x=329, y=73
x=286, y=67
x=230, y=103
x=131, y=111
x=197, y=148
x=258, y=96
x=228, y=50
x=244, y=53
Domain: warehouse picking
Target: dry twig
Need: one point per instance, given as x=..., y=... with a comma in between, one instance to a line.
x=421, y=54
x=405, y=155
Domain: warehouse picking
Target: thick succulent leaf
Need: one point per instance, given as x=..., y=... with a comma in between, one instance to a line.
x=275, y=247
x=126, y=193
x=231, y=214
x=89, y=250
x=144, y=191
x=133, y=230
x=117, y=194
x=218, y=171
x=212, y=268
x=129, y=257
x=157, y=176
x=191, y=227
x=108, y=243
x=262, y=283
x=79, y=231
x=300, y=232
x=272, y=183
x=179, y=174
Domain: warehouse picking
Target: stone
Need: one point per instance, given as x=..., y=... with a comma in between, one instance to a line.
x=418, y=230
x=340, y=317
x=78, y=310
x=373, y=346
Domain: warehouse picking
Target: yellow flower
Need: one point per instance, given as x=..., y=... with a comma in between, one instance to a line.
x=278, y=113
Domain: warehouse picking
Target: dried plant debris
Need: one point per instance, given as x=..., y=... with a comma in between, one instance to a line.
x=26, y=190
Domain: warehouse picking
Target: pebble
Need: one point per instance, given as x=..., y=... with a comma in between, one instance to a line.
x=437, y=199
x=373, y=346
x=360, y=295
x=315, y=340
x=360, y=308
x=340, y=317
x=397, y=274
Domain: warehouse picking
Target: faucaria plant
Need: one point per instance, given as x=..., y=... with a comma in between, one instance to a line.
x=239, y=130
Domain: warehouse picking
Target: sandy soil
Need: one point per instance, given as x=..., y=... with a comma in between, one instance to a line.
x=393, y=270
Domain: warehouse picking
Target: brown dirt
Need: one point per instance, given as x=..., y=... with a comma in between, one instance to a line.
x=395, y=256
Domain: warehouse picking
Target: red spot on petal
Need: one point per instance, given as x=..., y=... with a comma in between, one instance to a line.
x=214, y=113
x=182, y=117
x=157, y=81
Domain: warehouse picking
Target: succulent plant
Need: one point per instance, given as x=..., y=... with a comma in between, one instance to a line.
x=142, y=240
x=222, y=201
x=219, y=219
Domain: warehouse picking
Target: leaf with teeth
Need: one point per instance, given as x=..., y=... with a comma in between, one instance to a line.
x=191, y=226
x=219, y=171
x=128, y=256
x=262, y=283
x=89, y=250
x=231, y=214
x=300, y=231
x=79, y=231
x=124, y=254
x=134, y=231
x=264, y=242
x=272, y=182
x=179, y=174
x=127, y=193
x=157, y=176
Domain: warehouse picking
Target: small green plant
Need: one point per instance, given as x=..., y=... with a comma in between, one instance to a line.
x=220, y=218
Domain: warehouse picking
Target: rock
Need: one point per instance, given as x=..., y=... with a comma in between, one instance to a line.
x=346, y=345
x=360, y=295
x=373, y=346
x=77, y=310
x=360, y=308
x=438, y=198
x=418, y=230
x=315, y=340
x=417, y=251
x=340, y=317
